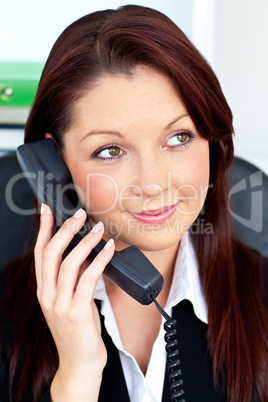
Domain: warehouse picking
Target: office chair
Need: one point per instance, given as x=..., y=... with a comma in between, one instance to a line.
x=18, y=225
x=248, y=203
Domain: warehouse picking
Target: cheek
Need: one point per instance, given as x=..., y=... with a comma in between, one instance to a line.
x=100, y=193
x=194, y=185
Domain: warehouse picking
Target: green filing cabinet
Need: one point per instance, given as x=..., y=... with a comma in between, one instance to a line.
x=18, y=85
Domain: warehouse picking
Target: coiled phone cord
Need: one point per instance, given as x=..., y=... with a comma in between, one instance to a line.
x=173, y=362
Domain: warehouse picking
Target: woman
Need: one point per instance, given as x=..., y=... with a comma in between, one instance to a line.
x=142, y=124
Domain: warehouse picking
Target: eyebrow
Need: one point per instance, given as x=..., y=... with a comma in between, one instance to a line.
x=176, y=120
x=116, y=133
x=94, y=132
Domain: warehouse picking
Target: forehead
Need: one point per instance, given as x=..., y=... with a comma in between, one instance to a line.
x=144, y=94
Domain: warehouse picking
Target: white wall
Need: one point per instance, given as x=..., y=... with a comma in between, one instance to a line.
x=233, y=35
x=29, y=28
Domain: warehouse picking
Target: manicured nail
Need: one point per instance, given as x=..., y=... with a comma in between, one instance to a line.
x=43, y=209
x=80, y=212
x=97, y=228
x=109, y=244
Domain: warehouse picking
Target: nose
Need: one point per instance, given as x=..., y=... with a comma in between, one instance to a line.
x=151, y=177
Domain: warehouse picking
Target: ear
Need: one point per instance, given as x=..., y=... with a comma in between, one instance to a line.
x=48, y=135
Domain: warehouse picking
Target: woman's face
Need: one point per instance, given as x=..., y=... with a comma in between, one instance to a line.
x=139, y=163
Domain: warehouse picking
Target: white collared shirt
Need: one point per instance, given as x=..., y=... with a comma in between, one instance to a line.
x=185, y=285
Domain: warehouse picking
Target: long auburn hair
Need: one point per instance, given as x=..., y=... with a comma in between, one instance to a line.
x=115, y=42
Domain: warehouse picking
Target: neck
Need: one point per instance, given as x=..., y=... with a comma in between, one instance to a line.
x=163, y=260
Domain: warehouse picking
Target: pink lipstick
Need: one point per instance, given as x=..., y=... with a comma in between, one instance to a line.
x=155, y=216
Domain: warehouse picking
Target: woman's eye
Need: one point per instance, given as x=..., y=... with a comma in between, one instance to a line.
x=179, y=139
x=109, y=153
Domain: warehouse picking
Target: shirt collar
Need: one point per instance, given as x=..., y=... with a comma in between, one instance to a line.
x=185, y=283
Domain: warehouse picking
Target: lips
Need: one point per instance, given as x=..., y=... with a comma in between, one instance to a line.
x=155, y=216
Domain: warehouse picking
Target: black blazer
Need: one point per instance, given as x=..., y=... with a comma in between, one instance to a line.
x=196, y=364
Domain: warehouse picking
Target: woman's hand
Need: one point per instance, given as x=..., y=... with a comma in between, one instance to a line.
x=65, y=290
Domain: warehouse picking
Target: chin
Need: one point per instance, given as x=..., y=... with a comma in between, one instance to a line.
x=149, y=242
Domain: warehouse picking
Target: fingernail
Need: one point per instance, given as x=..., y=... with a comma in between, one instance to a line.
x=43, y=209
x=97, y=228
x=109, y=244
x=79, y=213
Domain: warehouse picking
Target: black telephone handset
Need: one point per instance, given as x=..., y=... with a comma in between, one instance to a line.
x=47, y=175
